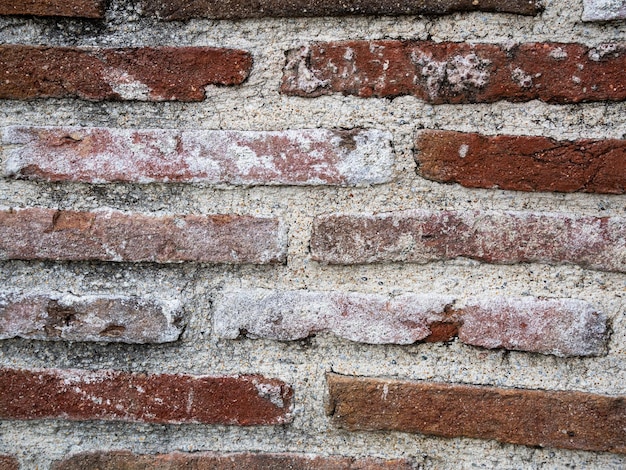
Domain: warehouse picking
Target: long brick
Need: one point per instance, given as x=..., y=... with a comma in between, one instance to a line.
x=563, y=327
x=107, y=235
x=522, y=163
x=116, y=460
x=8, y=462
x=570, y=420
x=604, y=10
x=145, y=73
x=108, y=395
x=75, y=8
x=458, y=72
x=421, y=236
x=293, y=157
x=89, y=318
x=184, y=10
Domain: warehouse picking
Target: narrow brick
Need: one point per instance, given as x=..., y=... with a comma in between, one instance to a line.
x=563, y=327
x=604, y=10
x=103, y=318
x=458, y=72
x=204, y=460
x=422, y=236
x=184, y=10
x=144, y=74
x=79, y=395
x=8, y=462
x=570, y=420
x=522, y=163
x=292, y=157
x=73, y=8
x=108, y=235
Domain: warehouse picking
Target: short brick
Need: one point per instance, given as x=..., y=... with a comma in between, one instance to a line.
x=144, y=74
x=208, y=460
x=184, y=10
x=89, y=318
x=458, y=72
x=570, y=420
x=8, y=462
x=293, y=157
x=76, y=8
x=108, y=395
x=522, y=163
x=422, y=236
x=107, y=235
x=604, y=10
x=563, y=327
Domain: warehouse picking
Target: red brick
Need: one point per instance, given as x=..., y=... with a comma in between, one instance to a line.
x=295, y=157
x=458, y=72
x=108, y=395
x=563, y=327
x=8, y=462
x=76, y=8
x=522, y=163
x=183, y=9
x=205, y=460
x=422, y=236
x=107, y=235
x=89, y=318
x=570, y=420
x=145, y=73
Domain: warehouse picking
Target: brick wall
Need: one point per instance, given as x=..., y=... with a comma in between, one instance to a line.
x=312, y=235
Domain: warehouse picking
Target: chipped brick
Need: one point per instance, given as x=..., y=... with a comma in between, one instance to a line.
x=72, y=8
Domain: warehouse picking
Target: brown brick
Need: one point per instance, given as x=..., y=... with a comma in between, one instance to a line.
x=422, y=236
x=458, y=72
x=294, y=157
x=204, y=460
x=145, y=73
x=108, y=395
x=8, y=462
x=89, y=318
x=570, y=420
x=76, y=8
x=107, y=235
x=183, y=10
x=522, y=163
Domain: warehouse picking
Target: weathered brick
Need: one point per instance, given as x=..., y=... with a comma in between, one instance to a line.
x=107, y=235
x=89, y=318
x=421, y=236
x=204, y=460
x=8, y=462
x=604, y=10
x=522, y=163
x=183, y=10
x=570, y=420
x=108, y=395
x=563, y=327
x=294, y=157
x=458, y=72
x=76, y=8
x=145, y=73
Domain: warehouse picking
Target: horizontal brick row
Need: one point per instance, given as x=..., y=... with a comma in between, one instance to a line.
x=564, y=327
x=75, y=8
x=522, y=163
x=244, y=400
x=293, y=157
x=107, y=235
x=144, y=74
x=421, y=236
x=208, y=460
x=8, y=462
x=604, y=10
x=450, y=72
x=570, y=420
x=103, y=318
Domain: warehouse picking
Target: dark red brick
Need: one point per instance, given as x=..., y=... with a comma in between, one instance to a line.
x=8, y=462
x=458, y=72
x=76, y=8
x=570, y=420
x=108, y=395
x=145, y=73
x=107, y=235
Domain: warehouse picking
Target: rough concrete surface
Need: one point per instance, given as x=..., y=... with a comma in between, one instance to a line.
x=257, y=105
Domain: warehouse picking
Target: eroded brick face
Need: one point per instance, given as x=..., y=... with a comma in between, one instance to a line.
x=522, y=163
x=75, y=8
x=570, y=420
x=458, y=72
x=107, y=395
x=144, y=74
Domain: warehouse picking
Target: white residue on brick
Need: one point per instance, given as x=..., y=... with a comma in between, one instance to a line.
x=558, y=53
x=603, y=50
x=305, y=77
x=604, y=10
x=126, y=85
x=522, y=78
x=271, y=392
x=371, y=161
x=463, y=149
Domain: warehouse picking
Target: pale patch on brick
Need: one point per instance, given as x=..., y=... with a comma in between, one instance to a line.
x=126, y=85
x=604, y=10
x=301, y=76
